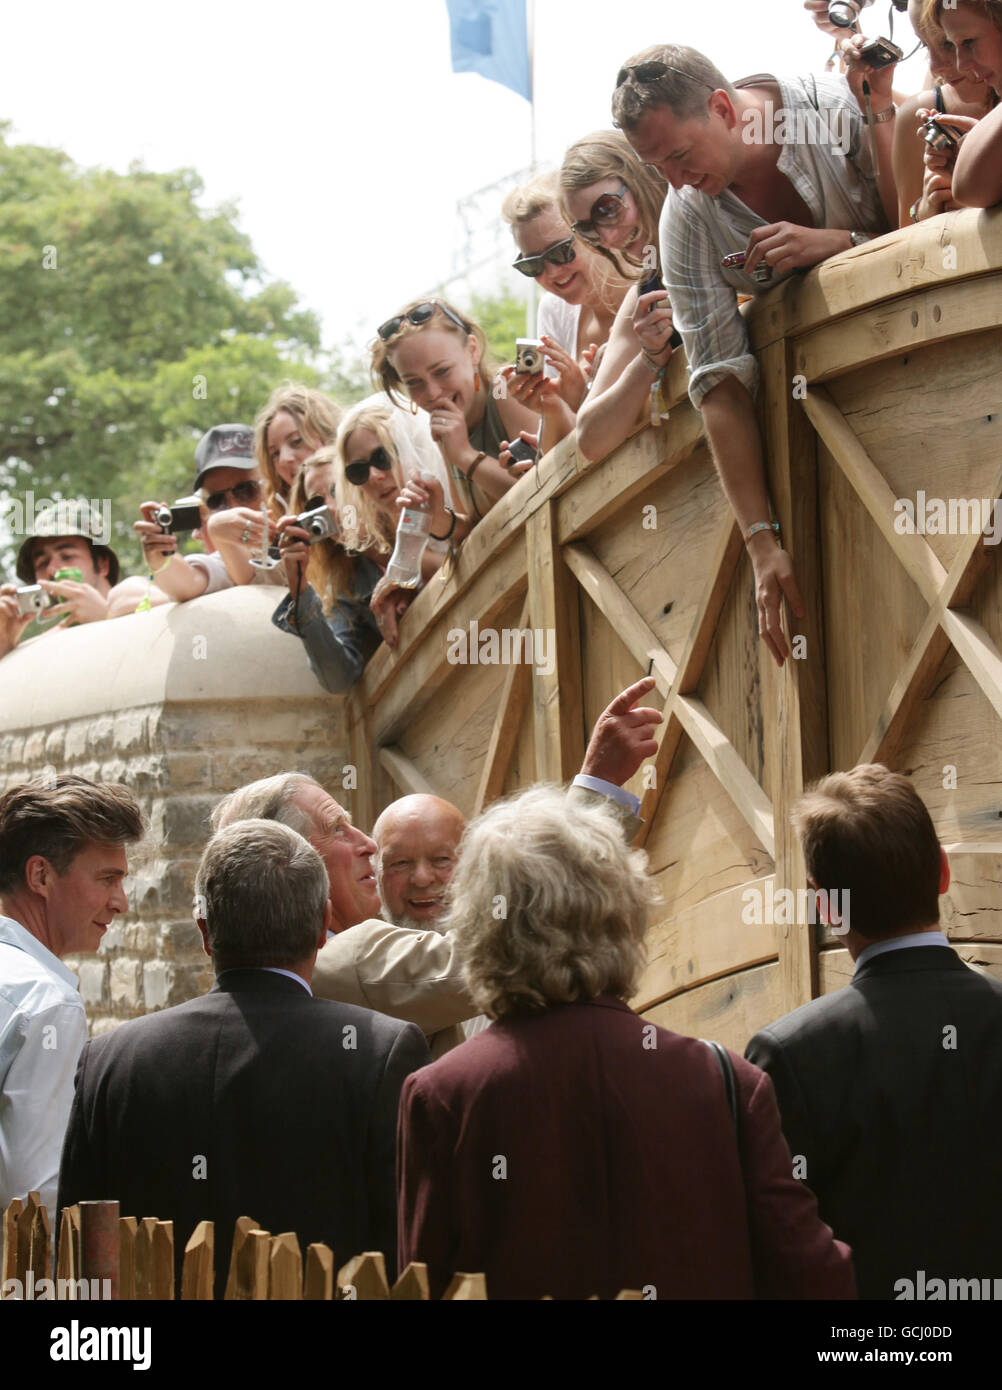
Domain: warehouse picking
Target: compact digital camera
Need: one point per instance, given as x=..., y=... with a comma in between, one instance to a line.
x=844, y=13
x=880, y=53
x=939, y=137
x=31, y=599
x=521, y=451
x=528, y=356
x=183, y=516
x=318, y=523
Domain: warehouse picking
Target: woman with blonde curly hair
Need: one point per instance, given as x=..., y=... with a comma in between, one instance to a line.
x=296, y=421
x=572, y=1116
x=613, y=203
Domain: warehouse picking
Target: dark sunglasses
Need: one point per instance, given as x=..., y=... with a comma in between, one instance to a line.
x=421, y=313
x=242, y=496
x=560, y=253
x=607, y=210
x=358, y=472
x=643, y=73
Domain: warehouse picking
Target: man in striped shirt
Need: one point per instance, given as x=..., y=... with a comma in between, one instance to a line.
x=779, y=170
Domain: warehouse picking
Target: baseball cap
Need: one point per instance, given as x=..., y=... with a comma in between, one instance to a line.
x=66, y=519
x=224, y=446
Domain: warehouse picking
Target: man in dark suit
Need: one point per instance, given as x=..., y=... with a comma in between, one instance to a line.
x=890, y=1089
x=256, y=1099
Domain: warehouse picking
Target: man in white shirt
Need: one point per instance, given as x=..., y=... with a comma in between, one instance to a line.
x=62, y=862
x=776, y=175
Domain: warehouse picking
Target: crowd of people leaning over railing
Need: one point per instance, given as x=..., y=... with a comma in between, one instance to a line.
x=705, y=193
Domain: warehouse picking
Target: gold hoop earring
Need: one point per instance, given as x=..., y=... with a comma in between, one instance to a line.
x=413, y=407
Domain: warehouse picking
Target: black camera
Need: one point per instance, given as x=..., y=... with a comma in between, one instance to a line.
x=318, y=523
x=521, y=451
x=654, y=282
x=939, y=137
x=880, y=53
x=183, y=516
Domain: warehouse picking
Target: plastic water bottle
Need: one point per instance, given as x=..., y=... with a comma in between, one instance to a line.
x=413, y=530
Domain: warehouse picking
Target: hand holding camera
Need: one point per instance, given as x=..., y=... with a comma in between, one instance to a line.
x=158, y=544
x=16, y=612
x=81, y=603
x=654, y=327
x=942, y=136
x=519, y=455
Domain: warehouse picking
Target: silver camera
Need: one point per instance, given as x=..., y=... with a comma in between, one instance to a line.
x=939, y=137
x=319, y=524
x=31, y=598
x=528, y=356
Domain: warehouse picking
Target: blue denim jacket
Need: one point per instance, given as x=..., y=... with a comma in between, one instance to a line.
x=337, y=647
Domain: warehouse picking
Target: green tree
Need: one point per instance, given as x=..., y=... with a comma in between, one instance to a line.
x=133, y=320
x=502, y=317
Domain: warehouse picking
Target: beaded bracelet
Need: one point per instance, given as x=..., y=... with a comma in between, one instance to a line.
x=757, y=526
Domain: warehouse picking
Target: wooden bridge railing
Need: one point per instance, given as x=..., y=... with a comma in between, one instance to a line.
x=879, y=381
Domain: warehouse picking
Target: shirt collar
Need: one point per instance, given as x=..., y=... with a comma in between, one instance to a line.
x=13, y=934
x=901, y=943
x=289, y=974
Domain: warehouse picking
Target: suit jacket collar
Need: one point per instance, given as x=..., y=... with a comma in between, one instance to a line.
x=915, y=958
x=251, y=981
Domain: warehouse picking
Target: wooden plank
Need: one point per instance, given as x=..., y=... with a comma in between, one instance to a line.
x=888, y=329
x=466, y=1288
x=127, y=1228
x=507, y=722
x=318, y=1286
x=364, y=1277
x=556, y=694
x=703, y=942
x=427, y=665
x=896, y=264
x=198, y=1270
x=412, y=1286
x=407, y=777
x=144, y=1258
x=628, y=472
x=242, y=1226
x=727, y=767
x=723, y=562
x=162, y=1261
x=251, y=1284
x=363, y=803
x=979, y=653
x=621, y=615
x=68, y=1254
x=285, y=1274
x=730, y=1010
x=912, y=551
x=12, y=1212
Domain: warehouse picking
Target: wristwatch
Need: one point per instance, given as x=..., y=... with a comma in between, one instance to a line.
x=859, y=238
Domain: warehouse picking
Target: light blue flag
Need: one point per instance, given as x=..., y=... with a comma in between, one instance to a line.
x=490, y=37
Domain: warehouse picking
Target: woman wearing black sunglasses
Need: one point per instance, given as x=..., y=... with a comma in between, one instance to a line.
x=582, y=290
x=613, y=202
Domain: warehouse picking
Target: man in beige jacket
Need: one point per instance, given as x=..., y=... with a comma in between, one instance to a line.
x=404, y=971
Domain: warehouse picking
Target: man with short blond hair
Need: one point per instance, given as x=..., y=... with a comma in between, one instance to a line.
x=890, y=1087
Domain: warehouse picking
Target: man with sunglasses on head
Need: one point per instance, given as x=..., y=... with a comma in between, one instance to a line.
x=229, y=490
x=768, y=176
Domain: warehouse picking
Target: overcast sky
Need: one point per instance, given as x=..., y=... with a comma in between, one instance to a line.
x=339, y=129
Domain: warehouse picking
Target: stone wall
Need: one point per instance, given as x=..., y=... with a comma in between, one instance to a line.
x=182, y=704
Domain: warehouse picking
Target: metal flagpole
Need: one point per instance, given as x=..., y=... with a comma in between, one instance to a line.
x=530, y=308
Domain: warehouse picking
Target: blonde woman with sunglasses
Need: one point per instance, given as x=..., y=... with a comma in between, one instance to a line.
x=582, y=290
x=612, y=202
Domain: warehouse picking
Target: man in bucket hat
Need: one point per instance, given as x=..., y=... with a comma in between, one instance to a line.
x=63, y=536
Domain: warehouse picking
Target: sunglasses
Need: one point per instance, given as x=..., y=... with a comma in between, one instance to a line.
x=421, y=313
x=358, y=472
x=644, y=73
x=243, y=495
x=560, y=253
x=607, y=210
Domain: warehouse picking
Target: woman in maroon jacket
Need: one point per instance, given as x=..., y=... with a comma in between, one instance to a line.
x=573, y=1148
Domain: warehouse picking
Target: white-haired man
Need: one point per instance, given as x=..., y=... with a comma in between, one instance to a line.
x=407, y=973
